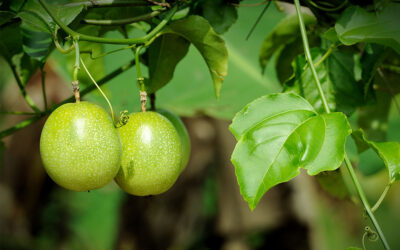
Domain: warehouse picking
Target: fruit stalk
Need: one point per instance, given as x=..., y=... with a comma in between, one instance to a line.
x=348, y=164
x=140, y=79
x=75, y=82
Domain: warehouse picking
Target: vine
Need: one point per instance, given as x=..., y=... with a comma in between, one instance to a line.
x=327, y=110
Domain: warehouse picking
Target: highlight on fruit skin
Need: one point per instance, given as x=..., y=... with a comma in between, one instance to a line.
x=152, y=155
x=80, y=147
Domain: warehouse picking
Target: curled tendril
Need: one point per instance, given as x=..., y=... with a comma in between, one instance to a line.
x=123, y=119
x=370, y=234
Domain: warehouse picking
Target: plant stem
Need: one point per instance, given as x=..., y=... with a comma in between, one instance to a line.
x=125, y=20
x=109, y=3
x=27, y=98
x=382, y=197
x=327, y=109
x=308, y=56
x=140, y=79
x=83, y=37
x=43, y=78
x=37, y=116
x=17, y=113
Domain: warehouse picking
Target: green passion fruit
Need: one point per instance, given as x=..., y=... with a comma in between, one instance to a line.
x=152, y=154
x=182, y=132
x=80, y=147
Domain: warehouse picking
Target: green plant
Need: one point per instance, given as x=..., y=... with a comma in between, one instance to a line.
x=152, y=154
x=80, y=147
x=347, y=69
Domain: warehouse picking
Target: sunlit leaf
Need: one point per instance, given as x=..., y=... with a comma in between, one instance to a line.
x=277, y=135
x=389, y=152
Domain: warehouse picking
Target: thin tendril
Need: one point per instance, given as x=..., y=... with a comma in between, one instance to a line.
x=258, y=19
x=98, y=87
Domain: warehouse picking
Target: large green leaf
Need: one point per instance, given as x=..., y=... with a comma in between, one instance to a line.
x=389, y=152
x=163, y=56
x=286, y=32
x=337, y=79
x=357, y=25
x=220, y=13
x=211, y=46
x=11, y=50
x=38, y=27
x=277, y=135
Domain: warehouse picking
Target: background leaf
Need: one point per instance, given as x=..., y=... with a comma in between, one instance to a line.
x=38, y=27
x=357, y=25
x=163, y=56
x=337, y=79
x=286, y=32
x=277, y=135
x=389, y=152
x=220, y=13
x=210, y=45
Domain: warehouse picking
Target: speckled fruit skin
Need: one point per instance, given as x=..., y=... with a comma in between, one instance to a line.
x=151, y=157
x=80, y=147
x=182, y=132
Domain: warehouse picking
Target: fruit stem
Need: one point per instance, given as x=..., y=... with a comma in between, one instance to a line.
x=140, y=79
x=75, y=81
x=348, y=164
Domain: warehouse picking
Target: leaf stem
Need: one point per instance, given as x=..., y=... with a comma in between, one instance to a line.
x=17, y=113
x=109, y=3
x=83, y=37
x=382, y=197
x=327, y=110
x=37, y=116
x=125, y=20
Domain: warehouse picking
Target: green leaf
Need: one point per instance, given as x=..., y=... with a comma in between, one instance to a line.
x=285, y=32
x=11, y=50
x=357, y=25
x=6, y=16
x=220, y=13
x=331, y=35
x=337, y=79
x=389, y=152
x=370, y=60
x=277, y=135
x=211, y=46
x=38, y=27
x=163, y=56
x=354, y=248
